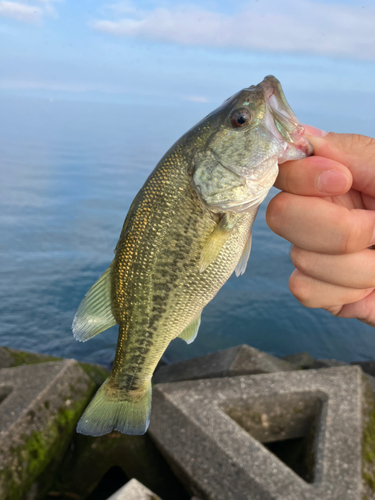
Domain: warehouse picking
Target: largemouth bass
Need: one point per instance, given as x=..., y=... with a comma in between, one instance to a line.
x=187, y=230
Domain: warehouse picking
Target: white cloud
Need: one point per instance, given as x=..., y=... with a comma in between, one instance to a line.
x=20, y=12
x=290, y=26
x=196, y=98
x=74, y=87
x=26, y=12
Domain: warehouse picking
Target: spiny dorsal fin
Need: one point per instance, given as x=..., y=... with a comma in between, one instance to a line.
x=95, y=311
x=191, y=330
x=242, y=263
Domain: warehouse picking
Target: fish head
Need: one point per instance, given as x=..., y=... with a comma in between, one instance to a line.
x=256, y=129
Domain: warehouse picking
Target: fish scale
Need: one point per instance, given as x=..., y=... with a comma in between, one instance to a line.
x=187, y=230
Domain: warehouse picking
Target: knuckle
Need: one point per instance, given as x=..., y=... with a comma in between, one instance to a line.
x=299, y=259
x=356, y=147
x=362, y=142
x=351, y=234
x=275, y=211
x=300, y=288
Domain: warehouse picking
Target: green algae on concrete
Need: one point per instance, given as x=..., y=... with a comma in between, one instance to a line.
x=368, y=441
x=13, y=357
x=33, y=447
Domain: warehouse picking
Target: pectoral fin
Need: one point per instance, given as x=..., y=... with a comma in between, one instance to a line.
x=190, y=332
x=213, y=245
x=95, y=311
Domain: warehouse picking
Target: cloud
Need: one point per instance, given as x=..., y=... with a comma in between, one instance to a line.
x=26, y=13
x=59, y=86
x=295, y=26
x=196, y=98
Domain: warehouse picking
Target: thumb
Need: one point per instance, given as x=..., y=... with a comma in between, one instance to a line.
x=357, y=152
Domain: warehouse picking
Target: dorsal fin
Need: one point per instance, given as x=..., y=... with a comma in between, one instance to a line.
x=95, y=311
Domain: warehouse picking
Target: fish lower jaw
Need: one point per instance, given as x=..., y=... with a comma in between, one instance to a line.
x=296, y=151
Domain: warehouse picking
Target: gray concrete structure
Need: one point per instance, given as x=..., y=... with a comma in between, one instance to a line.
x=239, y=360
x=214, y=433
x=327, y=363
x=39, y=408
x=301, y=359
x=134, y=490
x=367, y=366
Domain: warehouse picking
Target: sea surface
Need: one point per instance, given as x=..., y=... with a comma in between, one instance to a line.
x=68, y=174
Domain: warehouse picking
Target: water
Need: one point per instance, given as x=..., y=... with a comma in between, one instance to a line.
x=68, y=173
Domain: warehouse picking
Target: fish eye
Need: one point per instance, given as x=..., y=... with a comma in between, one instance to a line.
x=240, y=117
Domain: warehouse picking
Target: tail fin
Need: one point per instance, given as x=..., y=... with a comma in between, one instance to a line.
x=109, y=410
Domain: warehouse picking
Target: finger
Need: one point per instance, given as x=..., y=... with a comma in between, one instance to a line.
x=320, y=226
x=314, y=176
x=313, y=293
x=355, y=270
x=364, y=310
x=357, y=152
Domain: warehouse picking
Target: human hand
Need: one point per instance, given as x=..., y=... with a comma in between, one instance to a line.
x=327, y=211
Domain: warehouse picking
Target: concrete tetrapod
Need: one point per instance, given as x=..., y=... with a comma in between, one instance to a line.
x=239, y=360
x=39, y=407
x=211, y=432
x=134, y=490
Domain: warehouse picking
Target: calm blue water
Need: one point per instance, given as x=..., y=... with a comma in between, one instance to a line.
x=68, y=173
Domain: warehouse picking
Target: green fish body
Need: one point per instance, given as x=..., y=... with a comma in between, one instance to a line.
x=187, y=230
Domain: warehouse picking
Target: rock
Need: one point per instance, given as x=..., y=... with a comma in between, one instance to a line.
x=225, y=425
x=327, y=363
x=239, y=360
x=301, y=359
x=40, y=406
x=367, y=366
x=134, y=490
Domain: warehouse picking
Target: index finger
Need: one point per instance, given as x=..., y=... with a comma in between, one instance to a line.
x=355, y=151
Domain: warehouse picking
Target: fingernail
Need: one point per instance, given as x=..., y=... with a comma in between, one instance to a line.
x=315, y=132
x=332, y=182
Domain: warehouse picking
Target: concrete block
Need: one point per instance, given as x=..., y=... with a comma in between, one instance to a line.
x=90, y=458
x=327, y=363
x=13, y=357
x=239, y=360
x=134, y=490
x=39, y=408
x=301, y=359
x=367, y=366
x=215, y=434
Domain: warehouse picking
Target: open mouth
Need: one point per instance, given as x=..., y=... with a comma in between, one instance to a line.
x=281, y=120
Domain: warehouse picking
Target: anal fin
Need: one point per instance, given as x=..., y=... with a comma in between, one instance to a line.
x=95, y=311
x=191, y=331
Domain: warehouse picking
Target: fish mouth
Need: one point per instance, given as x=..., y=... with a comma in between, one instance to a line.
x=282, y=122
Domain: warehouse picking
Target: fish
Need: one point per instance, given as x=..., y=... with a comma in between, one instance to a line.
x=187, y=230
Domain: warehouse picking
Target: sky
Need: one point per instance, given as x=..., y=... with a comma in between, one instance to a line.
x=177, y=51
